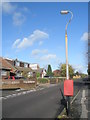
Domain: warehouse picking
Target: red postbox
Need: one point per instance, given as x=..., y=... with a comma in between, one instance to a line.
x=68, y=87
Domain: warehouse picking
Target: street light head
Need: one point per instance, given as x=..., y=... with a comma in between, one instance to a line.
x=64, y=12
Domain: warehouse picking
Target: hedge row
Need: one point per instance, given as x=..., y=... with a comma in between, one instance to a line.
x=52, y=80
x=42, y=80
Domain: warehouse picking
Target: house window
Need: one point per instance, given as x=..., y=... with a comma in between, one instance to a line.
x=25, y=65
x=29, y=65
x=3, y=73
x=33, y=66
x=30, y=74
x=17, y=63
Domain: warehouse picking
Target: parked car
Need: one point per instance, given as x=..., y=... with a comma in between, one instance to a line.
x=48, y=76
x=19, y=77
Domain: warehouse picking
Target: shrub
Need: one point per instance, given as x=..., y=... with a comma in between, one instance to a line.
x=43, y=80
x=38, y=75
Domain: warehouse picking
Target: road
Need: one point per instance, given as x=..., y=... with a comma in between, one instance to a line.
x=43, y=103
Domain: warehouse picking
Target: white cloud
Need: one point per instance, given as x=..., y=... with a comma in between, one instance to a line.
x=48, y=57
x=37, y=35
x=16, y=43
x=18, y=18
x=25, y=9
x=7, y=7
x=37, y=51
x=18, y=15
x=85, y=36
x=41, y=42
x=45, y=51
x=79, y=68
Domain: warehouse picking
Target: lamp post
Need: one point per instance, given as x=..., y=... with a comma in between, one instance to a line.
x=66, y=12
x=67, y=69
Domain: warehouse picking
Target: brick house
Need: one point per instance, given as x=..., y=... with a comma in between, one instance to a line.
x=15, y=67
x=22, y=67
x=56, y=73
x=6, y=69
x=34, y=66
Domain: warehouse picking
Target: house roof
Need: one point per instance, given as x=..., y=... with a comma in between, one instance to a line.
x=39, y=70
x=56, y=70
x=24, y=69
x=4, y=64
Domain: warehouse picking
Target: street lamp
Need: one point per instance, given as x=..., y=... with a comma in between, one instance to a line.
x=66, y=12
x=67, y=70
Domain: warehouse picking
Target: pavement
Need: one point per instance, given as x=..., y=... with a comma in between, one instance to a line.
x=80, y=107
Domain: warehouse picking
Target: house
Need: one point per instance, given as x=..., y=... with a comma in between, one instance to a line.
x=43, y=74
x=77, y=76
x=18, y=68
x=34, y=66
x=56, y=73
x=6, y=69
x=23, y=68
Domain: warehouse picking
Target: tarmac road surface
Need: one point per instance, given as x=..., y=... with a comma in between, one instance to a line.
x=43, y=103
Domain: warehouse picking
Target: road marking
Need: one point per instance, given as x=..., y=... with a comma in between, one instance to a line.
x=7, y=96
x=34, y=90
x=13, y=95
x=41, y=88
x=84, y=110
x=18, y=90
x=21, y=93
x=29, y=91
x=75, y=97
x=1, y=98
x=18, y=94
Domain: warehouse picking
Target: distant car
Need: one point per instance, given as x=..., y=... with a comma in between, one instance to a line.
x=86, y=79
x=48, y=76
x=15, y=77
x=19, y=77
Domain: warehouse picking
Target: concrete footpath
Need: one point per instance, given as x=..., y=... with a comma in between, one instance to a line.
x=80, y=108
x=80, y=104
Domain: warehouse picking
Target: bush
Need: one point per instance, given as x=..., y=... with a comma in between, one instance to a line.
x=53, y=80
x=38, y=75
x=42, y=80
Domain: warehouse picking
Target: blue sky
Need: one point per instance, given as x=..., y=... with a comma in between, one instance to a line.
x=35, y=33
